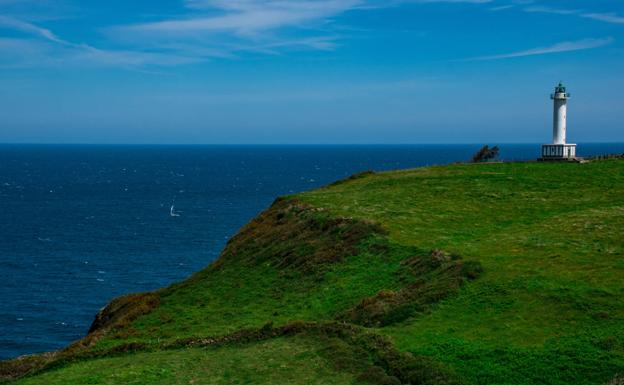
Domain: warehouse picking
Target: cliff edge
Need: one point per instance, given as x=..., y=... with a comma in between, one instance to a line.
x=492, y=273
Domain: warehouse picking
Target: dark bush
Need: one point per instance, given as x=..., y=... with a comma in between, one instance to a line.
x=377, y=376
x=472, y=269
x=485, y=153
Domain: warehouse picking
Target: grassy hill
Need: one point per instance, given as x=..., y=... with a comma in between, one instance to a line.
x=508, y=273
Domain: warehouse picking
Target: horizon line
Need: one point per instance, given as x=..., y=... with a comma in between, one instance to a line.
x=286, y=144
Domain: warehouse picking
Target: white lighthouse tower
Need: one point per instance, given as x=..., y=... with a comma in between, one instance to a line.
x=559, y=149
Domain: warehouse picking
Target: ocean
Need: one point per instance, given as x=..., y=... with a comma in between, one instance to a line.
x=83, y=224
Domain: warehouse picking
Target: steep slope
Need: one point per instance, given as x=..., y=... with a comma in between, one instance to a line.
x=294, y=271
x=483, y=274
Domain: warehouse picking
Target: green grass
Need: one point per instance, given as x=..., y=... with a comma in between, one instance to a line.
x=276, y=361
x=547, y=308
x=222, y=301
x=551, y=240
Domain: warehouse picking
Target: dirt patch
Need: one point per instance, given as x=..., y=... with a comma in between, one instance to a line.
x=121, y=311
x=359, y=175
x=297, y=237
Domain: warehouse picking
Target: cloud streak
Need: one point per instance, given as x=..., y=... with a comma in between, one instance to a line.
x=228, y=28
x=51, y=49
x=23, y=26
x=209, y=29
x=236, y=26
x=610, y=17
x=245, y=17
x=606, y=17
x=566, y=46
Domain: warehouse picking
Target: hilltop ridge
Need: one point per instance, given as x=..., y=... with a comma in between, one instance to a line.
x=483, y=274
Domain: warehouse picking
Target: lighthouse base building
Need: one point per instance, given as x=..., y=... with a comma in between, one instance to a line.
x=559, y=149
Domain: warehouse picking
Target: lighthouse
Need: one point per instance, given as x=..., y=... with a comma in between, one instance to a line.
x=559, y=149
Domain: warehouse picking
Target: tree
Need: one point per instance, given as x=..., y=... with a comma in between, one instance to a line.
x=485, y=153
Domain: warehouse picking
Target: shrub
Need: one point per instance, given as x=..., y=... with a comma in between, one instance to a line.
x=485, y=153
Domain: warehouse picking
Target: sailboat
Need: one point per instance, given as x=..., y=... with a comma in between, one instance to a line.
x=172, y=212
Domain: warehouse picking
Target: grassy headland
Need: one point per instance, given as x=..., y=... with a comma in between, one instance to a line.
x=506, y=273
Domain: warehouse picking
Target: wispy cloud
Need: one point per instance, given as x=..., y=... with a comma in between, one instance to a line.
x=610, y=17
x=606, y=17
x=555, y=11
x=23, y=26
x=566, y=46
x=210, y=29
x=234, y=26
x=502, y=7
x=51, y=49
x=228, y=28
x=245, y=17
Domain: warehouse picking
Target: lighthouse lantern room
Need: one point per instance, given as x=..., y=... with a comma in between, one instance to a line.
x=559, y=149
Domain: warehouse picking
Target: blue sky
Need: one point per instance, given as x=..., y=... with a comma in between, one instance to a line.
x=324, y=71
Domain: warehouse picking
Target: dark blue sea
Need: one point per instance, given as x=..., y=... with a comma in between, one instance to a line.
x=81, y=225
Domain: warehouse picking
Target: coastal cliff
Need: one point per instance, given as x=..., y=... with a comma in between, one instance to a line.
x=492, y=273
